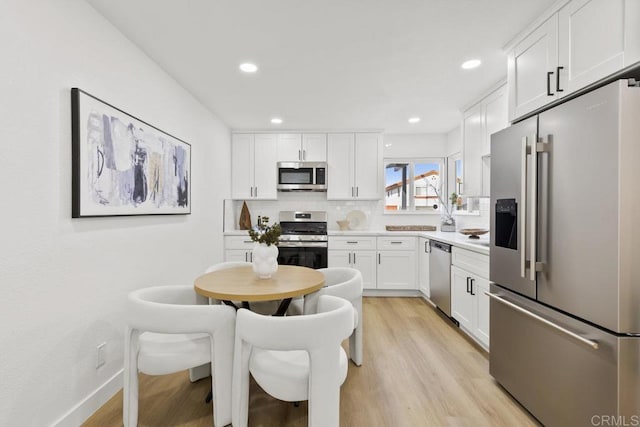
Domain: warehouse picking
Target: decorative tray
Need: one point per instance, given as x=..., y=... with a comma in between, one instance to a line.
x=473, y=233
x=410, y=227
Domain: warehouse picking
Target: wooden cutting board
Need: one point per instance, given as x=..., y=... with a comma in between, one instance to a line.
x=411, y=228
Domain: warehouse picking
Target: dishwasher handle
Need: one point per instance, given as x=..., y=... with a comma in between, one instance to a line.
x=439, y=245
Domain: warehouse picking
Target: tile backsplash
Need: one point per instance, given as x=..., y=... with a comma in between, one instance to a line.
x=337, y=210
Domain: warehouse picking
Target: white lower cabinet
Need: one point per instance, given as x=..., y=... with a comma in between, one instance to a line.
x=423, y=266
x=357, y=252
x=364, y=261
x=397, y=270
x=469, y=304
x=238, y=248
x=397, y=262
x=238, y=255
x=386, y=262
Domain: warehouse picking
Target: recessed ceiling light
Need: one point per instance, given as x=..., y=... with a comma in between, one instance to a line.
x=472, y=63
x=276, y=121
x=414, y=119
x=248, y=67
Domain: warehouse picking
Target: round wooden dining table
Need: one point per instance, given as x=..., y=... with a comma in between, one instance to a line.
x=242, y=284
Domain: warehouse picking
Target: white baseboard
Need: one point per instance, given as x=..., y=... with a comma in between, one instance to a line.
x=84, y=409
x=391, y=293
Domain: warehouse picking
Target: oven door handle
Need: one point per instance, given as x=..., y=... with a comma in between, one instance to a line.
x=302, y=244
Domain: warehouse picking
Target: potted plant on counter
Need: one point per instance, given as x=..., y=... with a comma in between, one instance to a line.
x=265, y=250
x=447, y=221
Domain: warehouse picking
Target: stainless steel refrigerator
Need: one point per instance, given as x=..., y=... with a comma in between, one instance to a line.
x=565, y=259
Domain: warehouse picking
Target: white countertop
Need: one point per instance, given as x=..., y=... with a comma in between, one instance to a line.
x=452, y=238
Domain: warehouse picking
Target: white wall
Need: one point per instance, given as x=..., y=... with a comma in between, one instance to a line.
x=454, y=141
x=63, y=282
x=415, y=145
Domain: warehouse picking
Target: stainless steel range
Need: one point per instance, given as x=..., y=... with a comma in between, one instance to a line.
x=304, y=239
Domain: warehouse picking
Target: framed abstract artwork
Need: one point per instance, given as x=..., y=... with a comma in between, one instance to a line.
x=122, y=165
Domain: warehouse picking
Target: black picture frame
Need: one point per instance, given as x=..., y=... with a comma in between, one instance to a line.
x=124, y=166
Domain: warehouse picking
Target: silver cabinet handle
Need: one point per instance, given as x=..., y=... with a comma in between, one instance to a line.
x=590, y=343
x=523, y=212
x=304, y=154
x=354, y=258
x=349, y=258
x=396, y=243
x=378, y=258
x=256, y=191
x=357, y=191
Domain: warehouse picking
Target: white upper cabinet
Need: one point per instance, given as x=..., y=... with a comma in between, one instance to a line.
x=354, y=163
x=310, y=147
x=496, y=116
x=367, y=165
x=242, y=166
x=530, y=69
x=486, y=117
x=314, y=147
x=289, y=147
x=340, y=152
x=591, y=41
x=579, y=44
x=472, y=141
x=254, y=166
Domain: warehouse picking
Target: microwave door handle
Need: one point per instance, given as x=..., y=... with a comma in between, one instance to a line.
x=522, y=216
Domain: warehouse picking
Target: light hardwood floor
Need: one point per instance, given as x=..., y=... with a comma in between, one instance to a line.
x=418, y=370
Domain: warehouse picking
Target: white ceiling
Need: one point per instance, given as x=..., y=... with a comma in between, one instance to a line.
x=328, y=64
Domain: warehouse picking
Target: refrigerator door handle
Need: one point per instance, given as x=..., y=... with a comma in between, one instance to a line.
x=534, y=208
x=523, y=211
x=590, y=343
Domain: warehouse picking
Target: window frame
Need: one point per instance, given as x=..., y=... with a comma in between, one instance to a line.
x=412, y=161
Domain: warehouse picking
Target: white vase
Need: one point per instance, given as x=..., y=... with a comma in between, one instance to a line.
x=265, y=260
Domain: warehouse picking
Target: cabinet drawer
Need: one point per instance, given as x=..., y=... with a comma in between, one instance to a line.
x=396, y=243
x=238, y=242
x=471, y=261
x=352, y=242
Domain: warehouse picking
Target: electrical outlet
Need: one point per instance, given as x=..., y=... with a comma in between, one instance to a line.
x=100, y=354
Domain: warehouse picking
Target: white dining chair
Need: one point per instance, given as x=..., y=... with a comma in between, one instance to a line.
x=294, y=358
x=171, y=329
x=345, y=283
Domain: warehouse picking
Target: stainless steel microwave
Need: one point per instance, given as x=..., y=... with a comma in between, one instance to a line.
x=302, y=176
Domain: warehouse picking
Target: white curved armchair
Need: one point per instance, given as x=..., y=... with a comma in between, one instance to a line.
x=170, y=329
x=294, y=358
x=345, y=283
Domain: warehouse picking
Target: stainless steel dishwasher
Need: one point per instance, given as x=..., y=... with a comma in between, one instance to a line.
x=440, y=275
